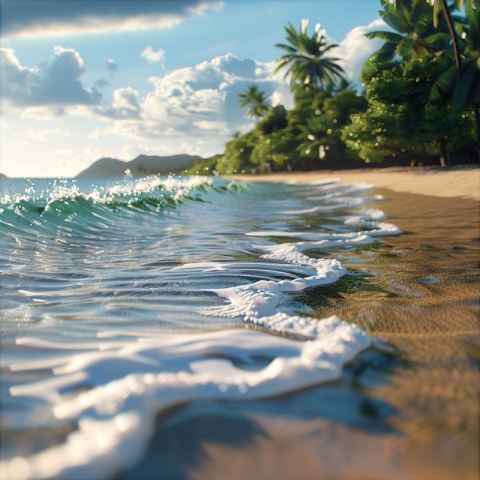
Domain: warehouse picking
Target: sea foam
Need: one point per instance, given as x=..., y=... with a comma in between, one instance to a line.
x=127, y=381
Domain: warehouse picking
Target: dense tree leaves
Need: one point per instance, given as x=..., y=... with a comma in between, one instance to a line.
x=417, y=104
x=320, y=135
x=401, y=119
x=414, y=32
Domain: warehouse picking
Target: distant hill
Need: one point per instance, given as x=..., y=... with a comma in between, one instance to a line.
x=142, y=165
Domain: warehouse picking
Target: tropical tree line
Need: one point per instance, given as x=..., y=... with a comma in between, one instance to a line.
x=420, y=99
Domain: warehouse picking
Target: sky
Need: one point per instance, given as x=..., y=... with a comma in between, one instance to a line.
x=86, y=79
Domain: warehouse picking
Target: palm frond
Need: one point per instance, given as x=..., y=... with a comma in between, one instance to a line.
x=306, y=58
x=444, y=84
x=462, y=88
x=383, y=35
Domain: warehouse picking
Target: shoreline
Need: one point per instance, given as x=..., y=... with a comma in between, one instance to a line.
x=419, y=296
x=463, y=181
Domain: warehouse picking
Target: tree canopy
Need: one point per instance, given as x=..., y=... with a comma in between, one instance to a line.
x=420, y=99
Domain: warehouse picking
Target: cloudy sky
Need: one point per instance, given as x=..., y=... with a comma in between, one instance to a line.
x=86, y=79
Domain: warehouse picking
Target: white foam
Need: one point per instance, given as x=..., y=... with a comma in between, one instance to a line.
x=304, y=235
x=60, y=190
x=339, y=203
x=325, y=181
x=131, y=380
x=368, y=214
x=260, y=299
x=116, y=417
x=377, y=228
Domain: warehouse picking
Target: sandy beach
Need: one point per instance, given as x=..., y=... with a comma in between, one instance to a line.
x=463, y=182
x=421, y=297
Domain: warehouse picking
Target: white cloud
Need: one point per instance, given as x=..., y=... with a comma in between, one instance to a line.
x=43, y=113
x=47, y=84
x=123, y=106
x=152, y=56
x=355, y=48
x=83, y=111
x=194, y=102
x=39, y=134
x=282, y=93
x=111, y=65
x=61, y=17
x=217, y=126
x=61, y=153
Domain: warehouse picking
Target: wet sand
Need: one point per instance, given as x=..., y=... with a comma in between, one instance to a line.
x=432, y=316
x=461, y=181
x=419, y=389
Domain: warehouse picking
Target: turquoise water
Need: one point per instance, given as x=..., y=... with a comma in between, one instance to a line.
x=123, y=297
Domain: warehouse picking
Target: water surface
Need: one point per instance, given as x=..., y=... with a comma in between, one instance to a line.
x=123, y=298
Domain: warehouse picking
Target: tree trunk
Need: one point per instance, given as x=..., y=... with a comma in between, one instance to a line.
x=476, y=109
x=424, y=155
x=451, y=27
x=445, y=157
x=307, y=164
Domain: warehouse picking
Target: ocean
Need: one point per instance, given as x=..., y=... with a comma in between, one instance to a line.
x=122, y=298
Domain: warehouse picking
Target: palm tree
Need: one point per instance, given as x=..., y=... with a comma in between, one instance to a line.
x=306, y=57
x=464, y=85
x=414, y=31
x=436, y=4
x=470, y=36
x=469, y=4
x=236, y=134
x=256, y=99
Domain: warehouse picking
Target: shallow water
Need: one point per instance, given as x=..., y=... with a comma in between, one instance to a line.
x=124, y=298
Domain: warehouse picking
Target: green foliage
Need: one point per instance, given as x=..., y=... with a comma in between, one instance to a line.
x=401, y=119
x=470, y=32
x=321, y=135
x=417, y=108
x=463, y=86
x=236, y=158
x=457, y=4
x=414, y=32
x=203, y=166
x=276, y=148
x=256, y=99
x=305, y=58
x=276, y=119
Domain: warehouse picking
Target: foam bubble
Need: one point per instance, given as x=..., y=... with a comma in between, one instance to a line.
x=116, y=416
x=127, y=382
